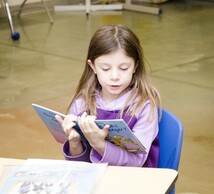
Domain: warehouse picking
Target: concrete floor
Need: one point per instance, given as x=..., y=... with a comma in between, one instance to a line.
x=44, y=66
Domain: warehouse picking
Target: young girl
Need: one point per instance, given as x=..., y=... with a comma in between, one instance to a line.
x=114, y=85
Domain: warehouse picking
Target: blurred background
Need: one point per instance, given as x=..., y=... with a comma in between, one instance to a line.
x=45, y=64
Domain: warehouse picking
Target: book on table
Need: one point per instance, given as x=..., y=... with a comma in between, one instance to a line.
x=51, y=176
x=119, y=133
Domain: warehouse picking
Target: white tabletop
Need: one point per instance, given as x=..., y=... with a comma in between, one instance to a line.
x=126, y=180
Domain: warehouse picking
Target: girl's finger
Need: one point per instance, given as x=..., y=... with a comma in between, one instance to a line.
x=71, y=117
x=82, y=120
x=93, y=118
x=91, y=122
x=59, y=119
x=106, y=128
x=84, y=115
x=72, y=135
x=70, y=125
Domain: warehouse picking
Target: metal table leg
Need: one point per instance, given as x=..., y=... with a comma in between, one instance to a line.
x=45, y=7
x=14, y=35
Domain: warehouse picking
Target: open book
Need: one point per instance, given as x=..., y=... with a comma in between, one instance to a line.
x=51, y=176
x=119, y=132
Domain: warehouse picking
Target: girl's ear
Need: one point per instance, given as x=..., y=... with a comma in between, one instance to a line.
x=92, y=66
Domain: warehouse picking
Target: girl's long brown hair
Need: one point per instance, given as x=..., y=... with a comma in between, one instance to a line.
x=108, y=39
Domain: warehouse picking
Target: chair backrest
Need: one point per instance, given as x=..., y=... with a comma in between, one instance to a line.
x=170, y=138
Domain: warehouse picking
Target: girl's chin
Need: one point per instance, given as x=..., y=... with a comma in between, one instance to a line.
x=115, y=89
x=116, y=92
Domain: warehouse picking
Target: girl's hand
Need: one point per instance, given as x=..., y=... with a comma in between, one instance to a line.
x=68, y=127
x=72, y=135
x=94, y=135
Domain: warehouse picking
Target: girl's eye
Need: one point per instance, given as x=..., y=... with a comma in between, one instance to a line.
x=105, y=69
x=124, y=69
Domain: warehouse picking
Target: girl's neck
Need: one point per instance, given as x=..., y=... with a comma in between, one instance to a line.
x=111, y=98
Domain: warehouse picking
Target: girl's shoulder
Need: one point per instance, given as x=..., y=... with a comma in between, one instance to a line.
x=78, y=107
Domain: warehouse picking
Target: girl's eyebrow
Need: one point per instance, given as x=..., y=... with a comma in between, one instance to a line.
x=103, y=63
x=124, y=63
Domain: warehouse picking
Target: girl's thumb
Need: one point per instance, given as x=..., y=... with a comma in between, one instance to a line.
x=106, y=128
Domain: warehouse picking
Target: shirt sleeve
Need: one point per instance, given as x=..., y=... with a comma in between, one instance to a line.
x=145, y=129
x=82, y=157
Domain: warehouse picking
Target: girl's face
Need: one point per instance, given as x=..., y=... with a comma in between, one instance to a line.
x=114, y=72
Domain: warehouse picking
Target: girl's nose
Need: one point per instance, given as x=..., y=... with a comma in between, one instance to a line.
x=115, y=75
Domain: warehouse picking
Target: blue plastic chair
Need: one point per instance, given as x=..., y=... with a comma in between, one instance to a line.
x=170, y=138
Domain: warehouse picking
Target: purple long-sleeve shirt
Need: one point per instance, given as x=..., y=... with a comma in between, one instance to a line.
x=144, y=128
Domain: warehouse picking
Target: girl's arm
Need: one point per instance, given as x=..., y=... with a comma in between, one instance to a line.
x=78, y=150
x=145, y=130
x=68, y=124
x=84, y=156
x=95, y=136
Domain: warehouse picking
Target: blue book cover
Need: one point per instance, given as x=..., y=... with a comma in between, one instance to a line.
x=119, y=132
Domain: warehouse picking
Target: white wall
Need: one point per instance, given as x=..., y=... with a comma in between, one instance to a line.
x=19, y=2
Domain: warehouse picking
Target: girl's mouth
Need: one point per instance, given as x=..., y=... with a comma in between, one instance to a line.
x=115, y=86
